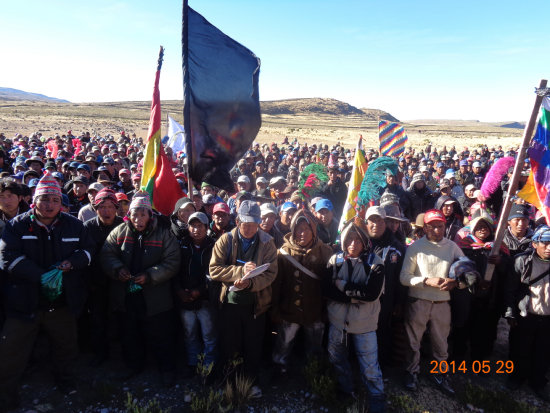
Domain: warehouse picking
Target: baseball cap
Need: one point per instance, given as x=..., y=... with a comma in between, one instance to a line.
x=288, y=205
x=83, y=166
x=518, y=211
x=463, y=162
x=322, y=204
x=221, y=207
x=266, y=209
x=249, y=211
x=445, y=183
x=121, y=196
x=124, y=171
x=393, y=212
x=243, y=178
x=433, y=215
x=542, y=234
x=95, y=186
x=375, y=210
x=476, y=164
x=201, y=216
x=81, y=179
x=261, y=180
x=275, y=180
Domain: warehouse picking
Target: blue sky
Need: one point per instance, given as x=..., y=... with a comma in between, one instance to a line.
x=414, y=59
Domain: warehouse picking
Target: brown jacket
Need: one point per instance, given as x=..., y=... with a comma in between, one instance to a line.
x=224, y=268
x=297, y=297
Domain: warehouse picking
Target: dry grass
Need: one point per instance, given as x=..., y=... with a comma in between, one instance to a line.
x=309, y=125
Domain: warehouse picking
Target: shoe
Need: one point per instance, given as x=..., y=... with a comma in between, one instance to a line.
x=442, y=382
x=255, y=392
x=411, y=381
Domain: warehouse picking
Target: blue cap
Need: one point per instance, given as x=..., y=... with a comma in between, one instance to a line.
x=58, y=175
x=463, y=162
x=74, y=164
x=60, y=158
x=449, y=171
x=84, y=166
x=65, y=200
x=322, y=204
x=18, y=175
x=288, y=205
x=33, y=182
x=542, y=234
x=440, y=165
x=109, y=161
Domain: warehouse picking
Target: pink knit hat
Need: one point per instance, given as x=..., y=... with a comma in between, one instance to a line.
x=141, y=200
x=47, y=186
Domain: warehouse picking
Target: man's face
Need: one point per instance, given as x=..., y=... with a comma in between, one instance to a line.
x=272, y=169
x=9, y=201
x=354, y=246
x=543, y=249
x=286, y=216
x=260, y=168
x=303, y=234
x=79, y=189
x=332, y=175
x=221, y=219
x=376, y=226
x=435, y=231
x=447, y=209
x=248, y=229
x=477, y=170
x=185, y=212
x=463, y=169
x=48, y=206
x=324, y=215
x=106, y=211
x=243, y=186
x=35, y=166
x=124, y=178
x=482, y=231
x=519, y=226
x=137, y=183
x=207, y=190
x=139, y=217
x=391, y=179
x=91, y=195
x=197, y=231
x=268, y=221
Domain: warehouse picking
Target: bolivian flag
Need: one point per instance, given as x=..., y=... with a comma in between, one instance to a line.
x=536, y=190
x=157, y=177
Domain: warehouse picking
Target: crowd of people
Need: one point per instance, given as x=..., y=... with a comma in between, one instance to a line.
x=244, y=271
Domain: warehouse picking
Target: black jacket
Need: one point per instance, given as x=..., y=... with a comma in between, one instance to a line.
x=419, y=201
x=455, y=221
x=28, y=249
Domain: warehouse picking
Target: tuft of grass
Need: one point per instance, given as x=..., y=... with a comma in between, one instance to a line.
x=151, y=406
x=492, y=400
x=403, y=403
x=207, y=402
x=320, y=378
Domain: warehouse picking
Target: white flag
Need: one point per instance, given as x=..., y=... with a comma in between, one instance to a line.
x=176, y=136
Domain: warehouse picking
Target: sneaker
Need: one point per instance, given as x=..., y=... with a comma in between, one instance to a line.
x=255, y=392
x=442, y=382
x=411, y=381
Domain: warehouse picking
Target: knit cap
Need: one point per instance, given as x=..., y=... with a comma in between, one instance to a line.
x=47, y=186
x=141, y=200
x=104, y=195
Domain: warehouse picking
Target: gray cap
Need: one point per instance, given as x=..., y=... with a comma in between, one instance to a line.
x=249, y=211
x=201, y=216
x=268, y=208
x=393, y=212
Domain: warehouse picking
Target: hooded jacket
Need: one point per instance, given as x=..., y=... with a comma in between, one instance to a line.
x=297, y=297
x=420, y=200
x=178, y=228
x=355, y=310
x=455, y=221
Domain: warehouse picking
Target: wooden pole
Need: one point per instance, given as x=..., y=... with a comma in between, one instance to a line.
x=503, y=221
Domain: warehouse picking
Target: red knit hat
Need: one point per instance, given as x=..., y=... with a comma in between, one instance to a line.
x=48, y=185
x=104, y=195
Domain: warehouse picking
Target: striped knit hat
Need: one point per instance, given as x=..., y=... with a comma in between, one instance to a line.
x=47, y=186
x=104, y=195
x=141, y=200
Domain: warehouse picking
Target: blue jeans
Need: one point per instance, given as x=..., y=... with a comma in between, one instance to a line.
x=196, y=322
x=366, y=350
x=286, y=333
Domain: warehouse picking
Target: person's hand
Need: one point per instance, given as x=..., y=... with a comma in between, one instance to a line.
x=185, y=296
x=140, y=279
x=448, y=284
x=249, y=266
x=494, y=259
x=242, y=284
x=195, y=294
x=124, y=274
x=434, y=282
x=65, y=266
x=340, y=284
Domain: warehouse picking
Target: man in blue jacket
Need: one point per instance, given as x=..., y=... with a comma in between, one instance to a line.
x=32, y=244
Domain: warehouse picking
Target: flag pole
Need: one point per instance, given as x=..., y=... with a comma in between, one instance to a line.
x=503, y=221
x=186, y=96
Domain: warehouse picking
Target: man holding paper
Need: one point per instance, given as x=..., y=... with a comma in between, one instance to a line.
x=244, y=298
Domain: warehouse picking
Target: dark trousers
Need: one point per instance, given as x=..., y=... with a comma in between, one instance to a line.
x=242, y=333
x=534, y=354
x=139, y=331
x=17, y=341
x=98, y=304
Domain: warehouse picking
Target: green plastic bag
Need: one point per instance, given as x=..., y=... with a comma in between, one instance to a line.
x=52, y=283
x=133, y=287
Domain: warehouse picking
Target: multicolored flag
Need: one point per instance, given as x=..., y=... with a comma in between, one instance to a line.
x=392, y=138
x=536, y=191
x=360, y=166
x=157, y=177
x=221, y=99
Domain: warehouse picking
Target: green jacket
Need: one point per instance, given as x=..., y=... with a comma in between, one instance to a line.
x=160, y=261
